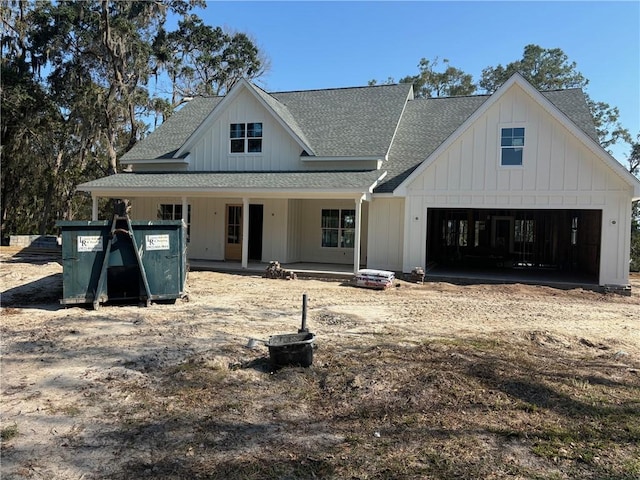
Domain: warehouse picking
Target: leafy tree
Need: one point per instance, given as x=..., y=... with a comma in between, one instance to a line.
x=448, y=83
x=202, y=60
x=431, y=83
x=634, y=168
x=550, y=69
x=75, y=88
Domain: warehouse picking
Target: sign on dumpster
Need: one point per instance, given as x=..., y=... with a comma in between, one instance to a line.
x=157, y=242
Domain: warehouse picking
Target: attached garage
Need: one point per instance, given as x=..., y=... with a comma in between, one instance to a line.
x=558, y=242
x=520, y=187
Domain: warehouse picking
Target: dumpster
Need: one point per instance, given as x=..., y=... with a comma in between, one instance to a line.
x=122, y=260
x=162, y=245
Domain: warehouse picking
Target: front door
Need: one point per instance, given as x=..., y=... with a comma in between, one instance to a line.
x=233, y=242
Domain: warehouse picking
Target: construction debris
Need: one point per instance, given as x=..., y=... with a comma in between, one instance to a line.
x=274, y=270
x=417, y=275
x=377, y=279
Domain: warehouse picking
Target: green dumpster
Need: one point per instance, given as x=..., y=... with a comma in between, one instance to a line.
x=162, y=245
x=122, y=260
x=83, y=253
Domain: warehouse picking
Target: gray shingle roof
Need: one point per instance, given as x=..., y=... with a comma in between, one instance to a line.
x=426, y=123
x=165, y=141
x=358, y=122
x=357, y=181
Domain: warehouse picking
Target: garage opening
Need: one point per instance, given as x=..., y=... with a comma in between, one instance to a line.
x=561, y=241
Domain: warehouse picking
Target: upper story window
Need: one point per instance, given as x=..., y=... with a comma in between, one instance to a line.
x=512, y=146
x=245, y=137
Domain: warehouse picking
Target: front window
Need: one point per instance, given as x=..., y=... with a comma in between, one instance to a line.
x=170, y=211
x=512, y=146
x=245, y=138
x=338, y=228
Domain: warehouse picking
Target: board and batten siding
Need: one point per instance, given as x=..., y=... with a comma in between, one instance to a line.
x=279, y=150
x=311, y=249
x=559, y=172
x=207, y=240
x=385, y=234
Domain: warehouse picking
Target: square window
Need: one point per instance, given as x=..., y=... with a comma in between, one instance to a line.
x=254, y=130
x=237, y=130
x=254, y=145
x=245, y=137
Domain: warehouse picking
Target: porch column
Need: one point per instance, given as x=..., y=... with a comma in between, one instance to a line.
x=185, y=210
x=356, y=247
x=94, y=207
x=245, y=232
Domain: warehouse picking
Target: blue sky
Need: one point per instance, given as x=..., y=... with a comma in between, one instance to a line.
x=314, y=45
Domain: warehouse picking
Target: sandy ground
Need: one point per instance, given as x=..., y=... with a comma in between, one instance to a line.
x=61, y=367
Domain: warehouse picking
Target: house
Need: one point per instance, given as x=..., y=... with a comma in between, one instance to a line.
x=373, y=177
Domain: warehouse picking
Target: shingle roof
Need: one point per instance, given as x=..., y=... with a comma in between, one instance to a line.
x=426, y=123
x=358, y=122
x=355, y=181
x=165, y=141
x=344, y=122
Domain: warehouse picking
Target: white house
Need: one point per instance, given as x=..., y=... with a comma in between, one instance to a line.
x=374, y=177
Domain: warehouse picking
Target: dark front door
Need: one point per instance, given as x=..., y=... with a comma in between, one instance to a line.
x=255, y=232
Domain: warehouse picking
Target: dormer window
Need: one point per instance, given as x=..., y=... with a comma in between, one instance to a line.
x=512, y=147
x=245, y=137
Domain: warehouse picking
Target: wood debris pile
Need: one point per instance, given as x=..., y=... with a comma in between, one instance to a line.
x=274, y=270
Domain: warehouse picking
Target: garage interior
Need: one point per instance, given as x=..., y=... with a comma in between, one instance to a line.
x=544, y=246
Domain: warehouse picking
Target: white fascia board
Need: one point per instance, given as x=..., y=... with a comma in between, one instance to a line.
x=217, y=111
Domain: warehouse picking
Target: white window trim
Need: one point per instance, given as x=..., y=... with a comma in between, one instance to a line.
x=246, y=139
x=524, y=148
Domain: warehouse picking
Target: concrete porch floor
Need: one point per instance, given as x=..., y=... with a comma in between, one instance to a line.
x=551, y=278
x=301, y=269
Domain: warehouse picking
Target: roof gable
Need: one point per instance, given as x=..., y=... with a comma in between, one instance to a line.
x=279, y=113
x=165, y=141
x=588, y=137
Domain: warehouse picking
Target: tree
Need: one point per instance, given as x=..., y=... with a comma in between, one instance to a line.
x=202, y=60
x=431, y=83
x=75, y=91
x=448, y=83
x=550, y=69
x=634, y=168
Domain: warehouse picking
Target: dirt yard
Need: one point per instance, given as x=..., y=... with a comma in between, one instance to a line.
x=430, y=381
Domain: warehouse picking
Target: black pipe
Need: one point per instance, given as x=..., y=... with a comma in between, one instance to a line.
x=304, y=314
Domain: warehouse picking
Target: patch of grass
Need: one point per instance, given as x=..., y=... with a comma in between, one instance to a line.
x=9, y=432
x=450, y=409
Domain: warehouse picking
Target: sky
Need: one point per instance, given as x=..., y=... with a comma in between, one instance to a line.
x=333, y=44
